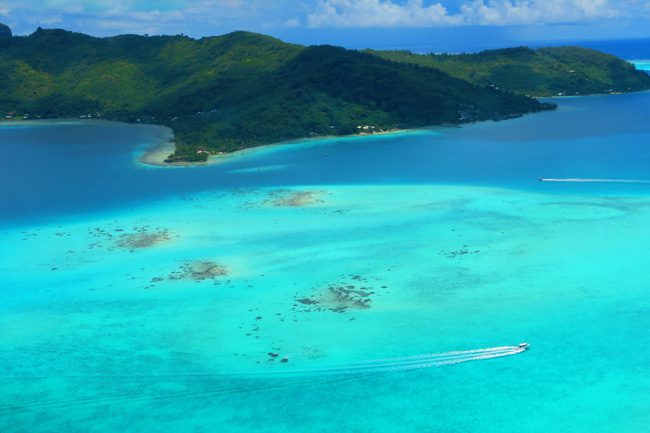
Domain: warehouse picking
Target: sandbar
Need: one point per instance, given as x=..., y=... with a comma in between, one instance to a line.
x=156, y=154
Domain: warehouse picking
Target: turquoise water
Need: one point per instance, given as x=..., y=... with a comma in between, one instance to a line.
x=643, y=65
x=137, y=299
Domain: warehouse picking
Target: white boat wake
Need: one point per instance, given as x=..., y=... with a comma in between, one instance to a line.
x=409, y=362
x=413, y=362
x=588, y=180
x=209, y=385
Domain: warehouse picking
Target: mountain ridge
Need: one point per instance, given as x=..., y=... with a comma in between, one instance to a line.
x=542, y=72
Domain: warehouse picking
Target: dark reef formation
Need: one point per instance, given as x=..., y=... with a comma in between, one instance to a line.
x=352, y=292
x=142, y=239
x=199, y=271
x=290, y=198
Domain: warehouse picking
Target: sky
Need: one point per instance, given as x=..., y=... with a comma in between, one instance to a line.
x=445, y=25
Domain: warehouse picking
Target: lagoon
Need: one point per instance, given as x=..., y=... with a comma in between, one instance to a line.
x=151, y=299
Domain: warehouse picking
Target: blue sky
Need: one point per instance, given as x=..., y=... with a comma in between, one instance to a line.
x=353, y=23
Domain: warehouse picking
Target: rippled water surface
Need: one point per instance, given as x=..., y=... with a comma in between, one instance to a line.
x=323, y=286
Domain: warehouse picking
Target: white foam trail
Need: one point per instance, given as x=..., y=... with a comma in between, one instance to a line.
x=587, y=180
x=235, y=382
x=402, y=363
x=445, y=354
x=363, y=367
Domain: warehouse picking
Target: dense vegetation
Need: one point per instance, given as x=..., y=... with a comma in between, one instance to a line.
x=542, y=72
x=234, y=91
x=327, y=90
x=239, y=90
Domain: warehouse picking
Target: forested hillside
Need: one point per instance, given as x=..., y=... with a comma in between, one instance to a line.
x=242, y=89
x=554, y=71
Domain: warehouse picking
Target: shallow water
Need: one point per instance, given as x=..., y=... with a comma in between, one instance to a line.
x=140, y=299
x=643, y=65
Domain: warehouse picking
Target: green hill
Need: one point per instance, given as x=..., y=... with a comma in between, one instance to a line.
x=327, y=90
x=224, y=93
x=542, y=72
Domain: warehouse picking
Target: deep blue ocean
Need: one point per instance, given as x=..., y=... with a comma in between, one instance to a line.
x=360, y=284
x=62, y=167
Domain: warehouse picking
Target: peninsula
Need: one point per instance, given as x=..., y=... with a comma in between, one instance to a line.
x=230, y=92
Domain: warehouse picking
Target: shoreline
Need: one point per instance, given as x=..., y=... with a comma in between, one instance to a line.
x=156, y=154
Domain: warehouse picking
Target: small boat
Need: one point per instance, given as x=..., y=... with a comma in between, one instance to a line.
x=523, y=345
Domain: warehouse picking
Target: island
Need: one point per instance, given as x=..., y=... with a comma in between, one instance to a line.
x=226, y=93
x=550, y=71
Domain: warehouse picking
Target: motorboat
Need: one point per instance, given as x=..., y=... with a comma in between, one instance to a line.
x=523, y=346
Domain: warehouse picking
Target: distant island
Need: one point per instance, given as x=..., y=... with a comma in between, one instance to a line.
x=552, y=71
x=226, y=93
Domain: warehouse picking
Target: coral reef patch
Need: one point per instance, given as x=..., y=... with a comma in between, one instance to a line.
x=352, y=293
x=290, y=198
x=137, y=238
x=465, y=250
x=142, y=239
x=199, y=271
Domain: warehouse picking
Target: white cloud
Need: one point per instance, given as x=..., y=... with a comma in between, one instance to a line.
x=377, y=13
x=139, y=16
x=198, y=17
x=389, y=13
x=153, y=22
x=5, y=10
x=501, y=12
x=291, y=23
